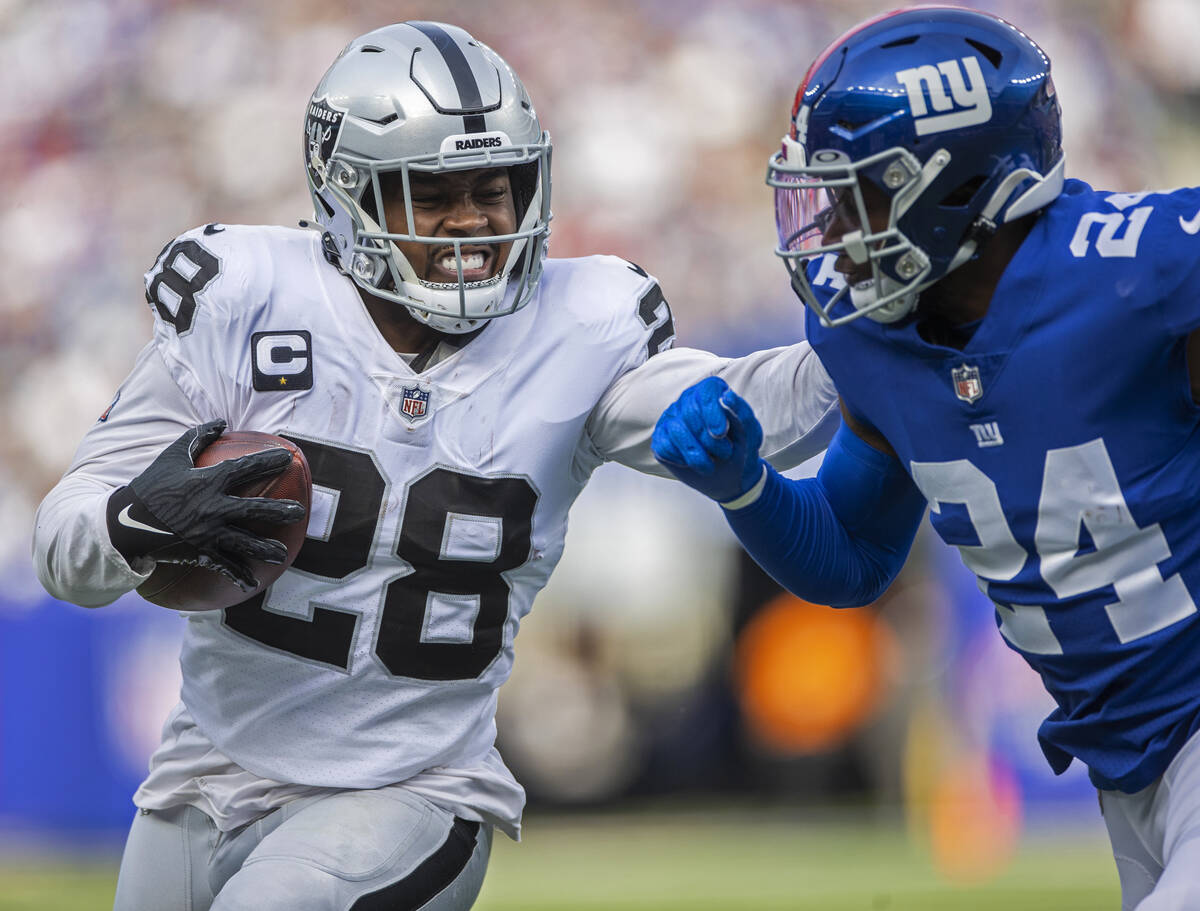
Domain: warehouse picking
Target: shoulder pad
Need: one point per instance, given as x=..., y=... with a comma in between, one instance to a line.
x=614, y=297
x=218, y=272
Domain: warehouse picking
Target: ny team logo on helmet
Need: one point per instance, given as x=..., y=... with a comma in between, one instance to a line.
x=951, y=115
x=425, y=98
x=966, y=104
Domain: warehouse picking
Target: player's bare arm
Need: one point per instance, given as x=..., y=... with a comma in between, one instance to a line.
x=865, y=431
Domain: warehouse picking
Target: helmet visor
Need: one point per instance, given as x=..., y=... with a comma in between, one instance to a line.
x=804, y=208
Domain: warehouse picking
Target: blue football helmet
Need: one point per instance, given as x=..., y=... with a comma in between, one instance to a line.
x=951, y=116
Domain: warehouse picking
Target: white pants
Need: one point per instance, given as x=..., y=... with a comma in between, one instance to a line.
x=1155, y=837
x=351, y=850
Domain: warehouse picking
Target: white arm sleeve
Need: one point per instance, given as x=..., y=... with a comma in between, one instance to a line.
x=72, y=554
x=791, y=394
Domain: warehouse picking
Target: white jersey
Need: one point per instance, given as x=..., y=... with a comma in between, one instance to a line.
x=440, y=502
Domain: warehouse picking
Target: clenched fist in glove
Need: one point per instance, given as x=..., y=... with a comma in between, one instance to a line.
x=174, y=512
x=709, y=439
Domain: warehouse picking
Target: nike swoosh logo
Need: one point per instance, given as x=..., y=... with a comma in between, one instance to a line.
x=1191, y=227
x=213, y=229
x=130, y=522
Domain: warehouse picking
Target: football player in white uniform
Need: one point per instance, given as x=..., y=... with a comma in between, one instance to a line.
x=453, y=389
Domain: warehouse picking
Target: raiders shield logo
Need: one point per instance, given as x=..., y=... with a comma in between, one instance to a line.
x=967, y=385
x=322, y=129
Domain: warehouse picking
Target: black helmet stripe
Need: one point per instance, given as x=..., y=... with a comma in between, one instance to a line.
x=460, y=71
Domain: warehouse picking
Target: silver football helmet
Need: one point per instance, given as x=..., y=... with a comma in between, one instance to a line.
x=425, y=97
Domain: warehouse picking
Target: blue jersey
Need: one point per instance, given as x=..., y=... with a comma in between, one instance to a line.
x=1059, y=451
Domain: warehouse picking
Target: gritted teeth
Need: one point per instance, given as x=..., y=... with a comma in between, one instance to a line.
x=470, y=261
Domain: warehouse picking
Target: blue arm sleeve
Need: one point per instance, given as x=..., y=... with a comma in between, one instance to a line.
x=839, y=538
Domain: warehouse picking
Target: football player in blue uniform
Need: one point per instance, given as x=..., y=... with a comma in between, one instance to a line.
x=1028, y=368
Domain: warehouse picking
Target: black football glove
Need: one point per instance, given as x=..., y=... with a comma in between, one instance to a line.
x=174, y=512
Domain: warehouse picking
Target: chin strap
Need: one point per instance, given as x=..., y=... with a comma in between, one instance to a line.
x=894, y=310
x=449, y=325
x=329, y=249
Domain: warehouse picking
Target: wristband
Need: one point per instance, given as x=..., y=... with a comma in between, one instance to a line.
x=749, y=496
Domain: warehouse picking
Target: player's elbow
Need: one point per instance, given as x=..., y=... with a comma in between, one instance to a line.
x=863, y=596
x=80, y=598
x=857, y=594
x=878, y=569
x=861, y=577
x=70, y=561
x=60, y=580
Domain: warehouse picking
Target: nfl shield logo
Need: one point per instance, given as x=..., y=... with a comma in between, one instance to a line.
x=966, y=383
x=414, y=402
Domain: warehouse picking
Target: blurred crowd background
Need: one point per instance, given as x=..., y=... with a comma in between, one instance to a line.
x=659, y=665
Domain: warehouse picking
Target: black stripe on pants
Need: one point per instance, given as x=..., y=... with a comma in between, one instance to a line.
x=430, y=877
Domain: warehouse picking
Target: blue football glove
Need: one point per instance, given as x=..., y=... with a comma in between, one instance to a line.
x=709, y=439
